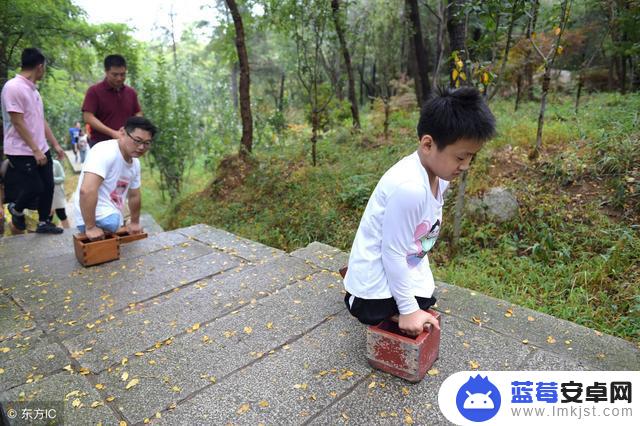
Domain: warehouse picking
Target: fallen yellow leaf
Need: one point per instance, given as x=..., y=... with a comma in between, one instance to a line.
x=269, y=325
x=405, y=390
x=110, y=398
x=1, y=370
x=408, y=420
x=530, y=318
x=433, y=372
x=474, y=365
x=243, y=409
x=132, y=383
x=5, y=350
x=551, y=340
x=372, y=385
x=124, y=376
x=263, y=404
x=99, y=386
x=76, y=403
x=176, y=389
x=248, y=330
x=96, y=404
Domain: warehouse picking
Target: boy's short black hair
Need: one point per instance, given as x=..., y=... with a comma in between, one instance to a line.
x=114, y=61
x=141, y=123
x=453, y=114
x=31, y=58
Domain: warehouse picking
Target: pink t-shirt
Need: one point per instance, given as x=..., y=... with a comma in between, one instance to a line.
x=21, y=95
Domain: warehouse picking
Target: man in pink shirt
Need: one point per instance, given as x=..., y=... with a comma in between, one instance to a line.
x=26, y=133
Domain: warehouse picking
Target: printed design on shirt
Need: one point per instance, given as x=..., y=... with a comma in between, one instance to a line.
x=425, y=237
x=118, y=194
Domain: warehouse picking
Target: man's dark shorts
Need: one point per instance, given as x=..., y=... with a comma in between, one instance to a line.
x=374, y=311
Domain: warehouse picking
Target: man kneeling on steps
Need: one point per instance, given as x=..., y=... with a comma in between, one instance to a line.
x=111, y=172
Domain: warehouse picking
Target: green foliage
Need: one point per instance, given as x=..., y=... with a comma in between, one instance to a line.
x=165, y=102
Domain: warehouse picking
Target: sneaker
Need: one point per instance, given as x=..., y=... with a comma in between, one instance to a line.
x=48, y=228
x=17, y=218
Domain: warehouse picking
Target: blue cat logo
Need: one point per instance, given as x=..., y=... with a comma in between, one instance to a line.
x=478, y=399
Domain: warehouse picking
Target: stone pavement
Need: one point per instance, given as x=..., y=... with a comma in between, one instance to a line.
x=197, y=326
x=77, y=166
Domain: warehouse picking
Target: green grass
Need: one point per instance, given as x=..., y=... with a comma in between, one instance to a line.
x=574, y=252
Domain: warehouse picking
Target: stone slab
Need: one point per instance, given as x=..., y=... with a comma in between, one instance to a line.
x=77, y=314
x=140, y=326
x=230, y=243
x=67, y=389
x=13, y=319
x=232, y=342
x=149, y=224
x=562, y=337
x=28, y=363
x=287, y=386
x=390, y=400
x=325, y=256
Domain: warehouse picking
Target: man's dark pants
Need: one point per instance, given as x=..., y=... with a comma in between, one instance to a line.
x=35, y=182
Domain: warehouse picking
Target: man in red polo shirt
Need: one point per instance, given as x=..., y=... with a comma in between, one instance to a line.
x=108, y=104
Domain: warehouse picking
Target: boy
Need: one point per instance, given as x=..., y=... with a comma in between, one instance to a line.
x=110, y=176
x=389, y=270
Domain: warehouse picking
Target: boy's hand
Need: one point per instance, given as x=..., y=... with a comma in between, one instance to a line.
x=414, y=323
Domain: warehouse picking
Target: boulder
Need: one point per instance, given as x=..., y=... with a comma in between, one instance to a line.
x=498, y=205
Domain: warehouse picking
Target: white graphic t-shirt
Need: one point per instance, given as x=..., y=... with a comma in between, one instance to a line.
x=399, y=226
x=106, y=161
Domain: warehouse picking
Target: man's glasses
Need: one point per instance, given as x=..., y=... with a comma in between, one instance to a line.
x=138, y=142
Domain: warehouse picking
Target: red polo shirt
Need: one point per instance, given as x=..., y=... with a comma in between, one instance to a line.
x=112, y=107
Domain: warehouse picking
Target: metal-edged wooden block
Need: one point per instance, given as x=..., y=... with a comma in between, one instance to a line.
x=390, y=350
x=91, y=253
x=125, y=237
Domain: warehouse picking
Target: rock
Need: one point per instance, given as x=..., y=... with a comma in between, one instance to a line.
x=498, y=204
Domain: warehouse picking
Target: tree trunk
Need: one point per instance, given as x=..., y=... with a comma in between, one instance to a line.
x=385, y=100
x=315, y=124
x=335, y=6
x=440, y=32
x=503, y=67
x=459, y=212
x=281, y=94
x=518, y=91
x=528, y=64
x=546, y=79
x=456, y=29
x=361, y=69
x=579, y=92
x=234, y=85
x=423, y=87
x=245, y=97
x=332, y=73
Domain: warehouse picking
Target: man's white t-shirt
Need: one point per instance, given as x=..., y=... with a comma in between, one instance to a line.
x=399, y=226
x=106, y=161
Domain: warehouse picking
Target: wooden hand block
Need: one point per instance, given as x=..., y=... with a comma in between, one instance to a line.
x=91, y=253
x=390, y=350
x=125, y=237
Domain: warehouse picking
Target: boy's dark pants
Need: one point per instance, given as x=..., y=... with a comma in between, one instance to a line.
x=374, y=311
x=34, y=182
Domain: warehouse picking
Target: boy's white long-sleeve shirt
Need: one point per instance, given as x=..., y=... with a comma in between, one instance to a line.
x=399, y=226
